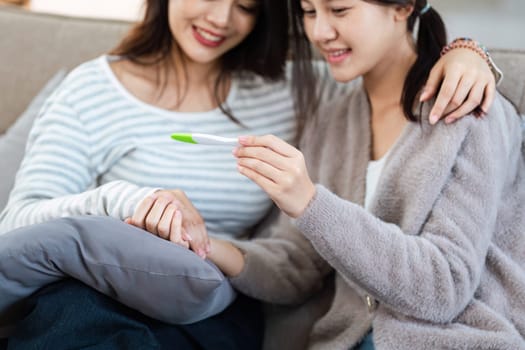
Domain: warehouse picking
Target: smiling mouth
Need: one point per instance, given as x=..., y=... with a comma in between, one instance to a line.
x=337, y=56
x=210, y=37
x=338, y=53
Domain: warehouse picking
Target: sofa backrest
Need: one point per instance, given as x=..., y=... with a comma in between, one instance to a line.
x=34, y=46
x=512, y=63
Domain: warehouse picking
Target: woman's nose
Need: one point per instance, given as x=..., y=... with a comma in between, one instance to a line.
x=323, y=30
x=220, y=14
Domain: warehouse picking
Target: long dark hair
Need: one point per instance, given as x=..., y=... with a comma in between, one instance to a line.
x=263, y=52
x=431, y=38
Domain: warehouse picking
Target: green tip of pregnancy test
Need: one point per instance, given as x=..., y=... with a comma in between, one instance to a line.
x=183, y=138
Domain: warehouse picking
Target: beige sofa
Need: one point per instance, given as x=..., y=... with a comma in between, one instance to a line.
x=35, y=46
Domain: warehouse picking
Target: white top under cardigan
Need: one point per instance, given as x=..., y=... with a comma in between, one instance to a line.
x=372, y=178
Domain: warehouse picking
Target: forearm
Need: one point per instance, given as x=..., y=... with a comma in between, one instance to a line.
x=228, y=258
x=116, y=199
x=280, y=271
x=413, y=272
x=281, y=268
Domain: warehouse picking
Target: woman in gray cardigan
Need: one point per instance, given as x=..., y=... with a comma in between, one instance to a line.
x=424, y=226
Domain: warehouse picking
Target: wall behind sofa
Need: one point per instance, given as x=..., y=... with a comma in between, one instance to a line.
x=115, y=9
x=496, y=23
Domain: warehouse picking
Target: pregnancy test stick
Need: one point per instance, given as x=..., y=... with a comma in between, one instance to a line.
x=204, y=139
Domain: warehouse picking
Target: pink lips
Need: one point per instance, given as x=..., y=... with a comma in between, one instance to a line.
x=204, y=41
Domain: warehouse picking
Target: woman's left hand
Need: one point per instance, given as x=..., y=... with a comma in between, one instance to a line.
x=171, y=215
x=466, y=84
x=279, y=169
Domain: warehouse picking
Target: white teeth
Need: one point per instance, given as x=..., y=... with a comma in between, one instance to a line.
x=338, y=53
x=209, y=36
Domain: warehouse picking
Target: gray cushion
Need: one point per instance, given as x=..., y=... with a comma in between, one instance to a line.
x=12, y=143
x=159, y=278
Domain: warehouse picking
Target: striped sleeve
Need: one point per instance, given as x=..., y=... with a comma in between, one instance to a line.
x=57, y=177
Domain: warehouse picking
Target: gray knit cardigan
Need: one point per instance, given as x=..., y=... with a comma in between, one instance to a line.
x=437, y=263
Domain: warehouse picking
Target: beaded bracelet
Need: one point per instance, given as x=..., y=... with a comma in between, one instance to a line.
x=468, y=43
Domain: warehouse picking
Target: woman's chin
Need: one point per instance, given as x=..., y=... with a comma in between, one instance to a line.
x=344, y=73
x=344, y=77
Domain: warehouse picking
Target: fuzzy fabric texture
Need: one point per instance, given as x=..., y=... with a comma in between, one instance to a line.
x=441, y=252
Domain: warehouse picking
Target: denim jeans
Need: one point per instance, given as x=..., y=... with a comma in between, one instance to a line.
x=366, y=344
x=70, y=315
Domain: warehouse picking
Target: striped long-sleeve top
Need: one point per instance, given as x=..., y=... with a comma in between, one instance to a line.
x=98, y=150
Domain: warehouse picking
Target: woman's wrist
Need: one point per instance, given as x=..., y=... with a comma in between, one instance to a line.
x=227, y=257
x=468, y=43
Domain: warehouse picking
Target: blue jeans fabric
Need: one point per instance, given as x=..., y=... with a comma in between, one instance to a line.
x=70, y=315
x=366, y=344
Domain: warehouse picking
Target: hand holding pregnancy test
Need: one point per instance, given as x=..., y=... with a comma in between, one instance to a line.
x=204, y=139
x=276, y=166
x=279, y=169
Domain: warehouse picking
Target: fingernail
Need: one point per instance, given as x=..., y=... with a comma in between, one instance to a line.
x=243, y=139
x=235, y=150
x=188, y=238
x=449, y=120
x=202, y=254
x=434, y=119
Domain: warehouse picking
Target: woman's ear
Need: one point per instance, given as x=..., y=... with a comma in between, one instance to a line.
x=403, y=12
